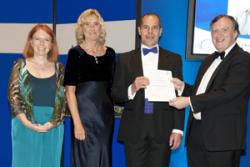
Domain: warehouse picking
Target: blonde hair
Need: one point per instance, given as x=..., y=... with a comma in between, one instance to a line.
x=82, y=20
x=28, y=49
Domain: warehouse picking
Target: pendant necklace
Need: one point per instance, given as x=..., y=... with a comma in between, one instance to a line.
x=96, y=60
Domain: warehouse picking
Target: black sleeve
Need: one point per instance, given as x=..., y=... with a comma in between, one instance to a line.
x=71, y=69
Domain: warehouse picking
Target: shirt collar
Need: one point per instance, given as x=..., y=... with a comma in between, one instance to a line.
x=144, y=46
x=229, y=49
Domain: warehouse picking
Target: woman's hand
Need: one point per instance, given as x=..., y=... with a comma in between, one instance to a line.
x=79, y=131
x=49, y=125
x=37, y=127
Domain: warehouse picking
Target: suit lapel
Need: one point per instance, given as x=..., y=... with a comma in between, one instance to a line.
x=221, y=65
x=202, y=71
x=161, y=60
x=136, y=64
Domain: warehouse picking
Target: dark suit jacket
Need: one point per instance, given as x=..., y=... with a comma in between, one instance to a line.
x=165, y=118
x=223, y=106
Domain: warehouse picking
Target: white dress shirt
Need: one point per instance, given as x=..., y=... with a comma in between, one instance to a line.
x=149, y=63
x=206, y=78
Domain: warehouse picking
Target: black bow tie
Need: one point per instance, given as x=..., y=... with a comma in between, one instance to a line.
x=221, y=54
x=146, y=50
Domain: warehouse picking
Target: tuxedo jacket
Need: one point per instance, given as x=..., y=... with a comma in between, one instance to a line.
x=165, y=118
x=223, y=106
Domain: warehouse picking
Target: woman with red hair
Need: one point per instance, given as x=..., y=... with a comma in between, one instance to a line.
x=36, y=97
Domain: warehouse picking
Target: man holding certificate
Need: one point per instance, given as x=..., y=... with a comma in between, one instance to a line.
x=149, y=127
x=217, y=124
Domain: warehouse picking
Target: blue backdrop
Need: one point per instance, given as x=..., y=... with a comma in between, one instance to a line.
x=173, y=14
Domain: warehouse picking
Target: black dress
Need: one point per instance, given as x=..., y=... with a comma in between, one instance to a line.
x=92, y=78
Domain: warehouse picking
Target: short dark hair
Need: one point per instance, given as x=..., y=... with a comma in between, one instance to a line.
x=235, y=23
x=149, y=14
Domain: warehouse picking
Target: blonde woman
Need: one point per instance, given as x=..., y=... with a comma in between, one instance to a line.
x=88, y=80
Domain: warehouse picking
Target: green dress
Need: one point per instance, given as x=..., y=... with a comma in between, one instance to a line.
x=41, y=100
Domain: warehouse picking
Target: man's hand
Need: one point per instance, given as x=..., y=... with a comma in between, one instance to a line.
x=175, y=140
x=140, y=82
x=178, y=84
x=179, y=102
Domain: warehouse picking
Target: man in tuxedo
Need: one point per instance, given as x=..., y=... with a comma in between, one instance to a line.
x=149, y=130
x=216, y=132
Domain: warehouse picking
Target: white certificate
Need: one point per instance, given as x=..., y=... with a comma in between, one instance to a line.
x=160, y=87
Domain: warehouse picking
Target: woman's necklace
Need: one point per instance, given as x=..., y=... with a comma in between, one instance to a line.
x=94, y=53
x=96, y=60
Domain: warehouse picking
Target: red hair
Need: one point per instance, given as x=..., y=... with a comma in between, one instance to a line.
x=28, y=49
